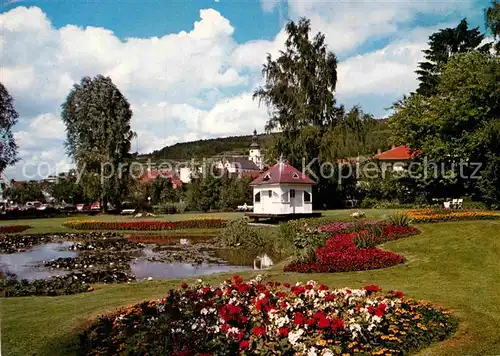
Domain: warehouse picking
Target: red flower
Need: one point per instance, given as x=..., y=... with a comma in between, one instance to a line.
x=283, y=331
x=337, y=324
x=372, y=288
x=397, y=294
x=381, y=310
x=309, y=287
x=281, y=294
x=244, y=345
x=259, y=330
x=311, y=321
x=184, y=285
x=329, y=298
x=323, y=323
x=218, y=292
x=286, y=285
x=299, y=319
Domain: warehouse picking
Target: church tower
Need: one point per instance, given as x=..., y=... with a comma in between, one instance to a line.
x=255, y=156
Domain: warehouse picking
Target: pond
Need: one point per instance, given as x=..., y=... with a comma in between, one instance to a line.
x=180, y=257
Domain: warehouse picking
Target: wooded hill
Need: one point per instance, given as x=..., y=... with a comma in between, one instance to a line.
x=239, y=145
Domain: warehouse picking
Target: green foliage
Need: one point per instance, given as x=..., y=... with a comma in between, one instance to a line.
x=8, y=118
x=365, y=239
x=299, y=94
x=460, y=122
x=238, y=233
x=22, y=192
x=442, y=46
x=69, y=191
x=303, y=237
x=493, y=22
x=98, y=135
x=213, y=193
x=490, y=182
x=368, y=203
x=399, y=219
x=237, y=145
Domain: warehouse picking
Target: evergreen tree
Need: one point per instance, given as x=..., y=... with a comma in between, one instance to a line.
x=442, y=45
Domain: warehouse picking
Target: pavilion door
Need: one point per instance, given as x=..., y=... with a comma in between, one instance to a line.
x=292, y=200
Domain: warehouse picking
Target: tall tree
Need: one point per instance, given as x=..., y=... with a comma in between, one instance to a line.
x=8, y=118
x=299, y=93
x=442, y=45
x=98, y=135
x=492, y=15
x=460, y=122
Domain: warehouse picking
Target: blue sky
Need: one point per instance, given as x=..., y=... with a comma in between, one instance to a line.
x=189, y=68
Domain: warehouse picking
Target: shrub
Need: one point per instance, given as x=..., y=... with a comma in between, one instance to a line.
x=253, y=318
x=399, y=219
x=238, y=233
x=365, y=239
x=12, y=229
x=146, y=225
x=368, y=203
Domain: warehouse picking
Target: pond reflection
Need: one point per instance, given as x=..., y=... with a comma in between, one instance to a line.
x=143, y=269
x=25, y=264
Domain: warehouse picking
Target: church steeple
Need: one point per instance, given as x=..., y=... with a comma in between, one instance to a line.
x=255, y=151
x=255, y=141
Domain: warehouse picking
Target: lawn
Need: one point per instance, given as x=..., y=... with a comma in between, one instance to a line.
x=50, y=225
x=455, y=265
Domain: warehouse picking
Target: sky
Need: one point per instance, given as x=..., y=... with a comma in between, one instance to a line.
x=189, y=68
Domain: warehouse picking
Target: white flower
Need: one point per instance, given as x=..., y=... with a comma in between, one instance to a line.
x=294, y=336
x=312, y=352
x=327, y=352
x=194, y=326
x=199, y=281
x=204, y=311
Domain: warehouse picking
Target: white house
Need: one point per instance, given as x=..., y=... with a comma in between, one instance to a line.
x=282, y=190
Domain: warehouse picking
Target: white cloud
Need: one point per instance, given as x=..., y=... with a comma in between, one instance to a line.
x=196, y=83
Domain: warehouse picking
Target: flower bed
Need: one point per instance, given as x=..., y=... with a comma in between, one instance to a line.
x=342, y=254
x=439, y=215
x=260, y=319
x=340, y=226
x=12, y=229
x=145, y=225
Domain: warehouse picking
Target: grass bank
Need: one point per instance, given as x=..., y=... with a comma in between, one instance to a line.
x=455, y=265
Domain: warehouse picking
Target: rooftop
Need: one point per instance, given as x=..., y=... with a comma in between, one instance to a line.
x=282, y=173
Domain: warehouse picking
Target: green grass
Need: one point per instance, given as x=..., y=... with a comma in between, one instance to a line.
x=50, y=225
x=455, y=265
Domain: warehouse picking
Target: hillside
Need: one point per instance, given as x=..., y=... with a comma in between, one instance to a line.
x=238, y=145
x=233, y=145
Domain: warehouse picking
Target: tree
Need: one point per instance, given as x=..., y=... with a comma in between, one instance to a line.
x=460, y=123
x=8, y=118
x=492, y=15
x=299, y=94
x=97, y=118
x=22, y=192
x=442, y=45
x=66, y=189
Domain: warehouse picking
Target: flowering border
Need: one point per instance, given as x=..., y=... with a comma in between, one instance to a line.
x=341, y=254
x=12, y=229
x=257, y=318
x=441, y=215
x=145, y=225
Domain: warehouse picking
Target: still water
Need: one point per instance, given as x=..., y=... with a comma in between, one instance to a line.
x=26, y=264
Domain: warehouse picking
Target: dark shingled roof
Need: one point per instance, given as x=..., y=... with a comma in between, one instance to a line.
x=282, y=173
